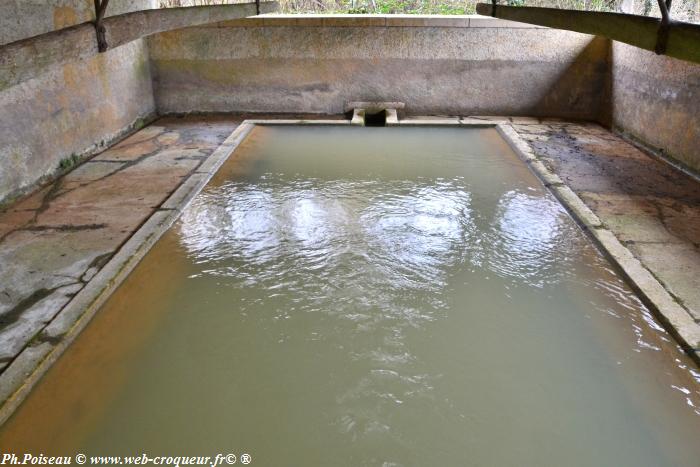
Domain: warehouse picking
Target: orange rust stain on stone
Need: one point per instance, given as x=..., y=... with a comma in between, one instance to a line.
x=73, y=90
x=243, y=160
x=64, y=16
x=72, y=394
x=71, y=77
x=97, y=69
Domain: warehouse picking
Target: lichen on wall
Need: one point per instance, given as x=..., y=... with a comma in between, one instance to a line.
x=20, y=19
x=656, y=100
x=70, y=112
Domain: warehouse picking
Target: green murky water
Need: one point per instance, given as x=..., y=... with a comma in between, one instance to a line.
x=385, y=296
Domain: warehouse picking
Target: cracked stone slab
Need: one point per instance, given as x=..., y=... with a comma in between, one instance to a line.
x=56, y=240
x=39, y=270
x=90, y=171
x=676, y=266
x=644, y=219
x=33, y=261
x=15, y=335
x=645, y=203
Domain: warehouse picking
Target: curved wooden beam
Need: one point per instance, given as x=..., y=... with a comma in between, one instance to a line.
x=683, y=40
x=27, y=58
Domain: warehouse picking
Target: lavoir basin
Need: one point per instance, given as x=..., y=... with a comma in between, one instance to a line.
x=339, y=295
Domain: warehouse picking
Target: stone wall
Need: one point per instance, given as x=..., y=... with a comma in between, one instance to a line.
x=436, y=65
x=61, y=101
x=454, y=65
x=74, y=110
x=21, y=19
x=656, y=100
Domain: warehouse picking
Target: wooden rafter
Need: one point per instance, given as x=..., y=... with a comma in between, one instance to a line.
x=666, y=36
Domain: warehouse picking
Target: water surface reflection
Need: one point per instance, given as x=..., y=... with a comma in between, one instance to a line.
x=349, y=296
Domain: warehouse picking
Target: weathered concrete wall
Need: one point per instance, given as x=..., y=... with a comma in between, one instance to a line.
x=306, y=64
x=656, y=100
x=34, y=56
x=60, y=100
x=21, y=19
x=459, y=66
x=70, y=111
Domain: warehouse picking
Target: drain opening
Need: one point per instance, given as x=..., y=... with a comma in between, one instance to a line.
x=374, y=113
x=375, y=118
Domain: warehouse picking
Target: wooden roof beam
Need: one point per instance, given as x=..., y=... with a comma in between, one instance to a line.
x=682, y=39
x=100, y=10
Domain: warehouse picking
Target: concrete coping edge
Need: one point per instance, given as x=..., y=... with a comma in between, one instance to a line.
x=372, y=20
x=34, y=361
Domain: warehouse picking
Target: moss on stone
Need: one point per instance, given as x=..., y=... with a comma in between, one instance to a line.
x=69, y=162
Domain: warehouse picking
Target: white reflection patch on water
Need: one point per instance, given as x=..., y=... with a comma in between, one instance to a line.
x=375, y=256
x=359, y=234
x=526, y=238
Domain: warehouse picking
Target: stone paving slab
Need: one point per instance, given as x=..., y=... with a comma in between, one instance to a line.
x=651, y=207
x=53, y=242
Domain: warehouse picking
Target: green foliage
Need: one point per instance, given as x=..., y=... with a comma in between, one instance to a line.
x=69, y=162
x=361, y=10
x=139, y=123
x=684, y=10
x=418, y=7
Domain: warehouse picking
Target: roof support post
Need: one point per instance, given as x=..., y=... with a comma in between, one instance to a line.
x=100, y=9
x=664, y=27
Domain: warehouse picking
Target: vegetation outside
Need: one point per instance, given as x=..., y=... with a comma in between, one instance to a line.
x=683, y=10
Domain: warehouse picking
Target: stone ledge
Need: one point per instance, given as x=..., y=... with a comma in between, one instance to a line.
x=31, y=363
x=347, y=20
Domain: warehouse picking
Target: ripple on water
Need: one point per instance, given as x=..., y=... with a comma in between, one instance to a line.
x=379, y=255
x=377, y=261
